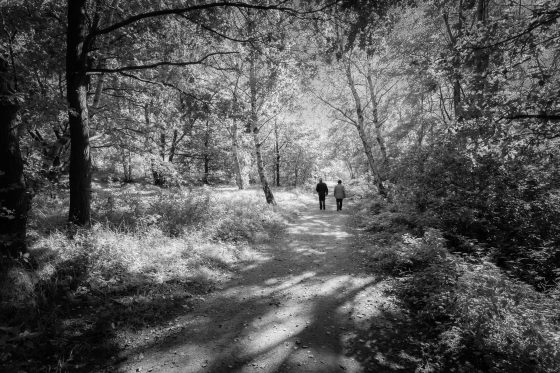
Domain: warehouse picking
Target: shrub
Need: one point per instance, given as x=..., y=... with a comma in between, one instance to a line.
x=173, y=213
x=476, y=317
x=510, y=203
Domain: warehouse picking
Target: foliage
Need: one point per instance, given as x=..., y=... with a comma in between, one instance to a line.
x=149, y=247
x=472, y=316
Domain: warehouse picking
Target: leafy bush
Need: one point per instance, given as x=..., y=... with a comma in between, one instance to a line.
x=164, y=173
x=176, y=212
x=476, y=318
x=504, y=195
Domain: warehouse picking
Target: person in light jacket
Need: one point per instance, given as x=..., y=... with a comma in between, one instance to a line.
x=339, y=194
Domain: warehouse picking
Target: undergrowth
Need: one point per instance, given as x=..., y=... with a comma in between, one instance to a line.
x=147, y=254
x=471, y=315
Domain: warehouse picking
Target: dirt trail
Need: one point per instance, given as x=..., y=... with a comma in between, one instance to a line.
x=306, y=305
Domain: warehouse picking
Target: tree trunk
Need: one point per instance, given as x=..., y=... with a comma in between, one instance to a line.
x=173, y=147
x=277, y=150
x=481, y=54
x=127, y=165
x=360, y=126
x=264, y=183
x=157, y=174
x=235, y=154
x=456, y=78
x=76, y=93
x=162, y=146
x=481, y=61
x=13, y=196
x=377, y=125
x=350, y=168
x=254, y=124
x=206, y=153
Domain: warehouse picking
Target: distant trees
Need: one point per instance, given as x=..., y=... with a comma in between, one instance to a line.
x=110, y=37
x=353, y=44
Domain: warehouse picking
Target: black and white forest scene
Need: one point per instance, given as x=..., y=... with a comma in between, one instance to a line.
x=280, y=186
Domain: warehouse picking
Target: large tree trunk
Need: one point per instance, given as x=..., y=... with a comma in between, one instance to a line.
x=76, y=93
x=235, y=154
x=360, y=126
x=13, y=196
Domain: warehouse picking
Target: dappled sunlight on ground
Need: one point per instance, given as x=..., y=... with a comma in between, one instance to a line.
x=304, y=305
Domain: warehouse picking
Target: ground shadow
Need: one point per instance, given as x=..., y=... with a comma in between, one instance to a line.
x=308, y=303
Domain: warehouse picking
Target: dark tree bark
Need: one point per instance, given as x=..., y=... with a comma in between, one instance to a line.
x=173, y=148
x=456, y=78
x=162, y=146
x=13, y=196
x=76, y=93
x=206, y=153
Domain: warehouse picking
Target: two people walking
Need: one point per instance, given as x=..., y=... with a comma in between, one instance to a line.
x=323, y=191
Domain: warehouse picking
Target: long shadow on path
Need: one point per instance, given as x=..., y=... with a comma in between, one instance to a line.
x=305, y=305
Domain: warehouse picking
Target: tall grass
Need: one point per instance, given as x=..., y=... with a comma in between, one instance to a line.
x=149, y=246
x=160, y=233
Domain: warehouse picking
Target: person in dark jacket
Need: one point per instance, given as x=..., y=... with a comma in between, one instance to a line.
x=339, y=194
x=323, y=190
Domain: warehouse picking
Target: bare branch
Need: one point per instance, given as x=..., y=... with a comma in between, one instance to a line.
x=350, y=119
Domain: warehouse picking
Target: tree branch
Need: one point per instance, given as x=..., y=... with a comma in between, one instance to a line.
x=350, y=119
x=545, y=116
x=166, y=12
x=156, y=64
x=211, y=30
x=528, y=30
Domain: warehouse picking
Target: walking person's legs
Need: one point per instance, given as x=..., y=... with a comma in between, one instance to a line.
x=338, y=204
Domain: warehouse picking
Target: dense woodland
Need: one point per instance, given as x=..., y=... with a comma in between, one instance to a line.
x=441, y=116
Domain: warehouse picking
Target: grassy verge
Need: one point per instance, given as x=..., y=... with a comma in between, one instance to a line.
x=470, y=315
x=80, y=294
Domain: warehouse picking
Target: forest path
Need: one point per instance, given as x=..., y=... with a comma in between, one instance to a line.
x=307, y=304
